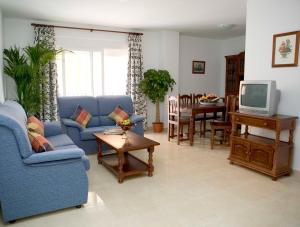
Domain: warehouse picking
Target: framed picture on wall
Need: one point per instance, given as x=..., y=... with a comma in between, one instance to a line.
x=198, y=67
x=285, y=49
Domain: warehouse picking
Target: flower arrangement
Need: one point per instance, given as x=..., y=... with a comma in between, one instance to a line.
x=125, y=124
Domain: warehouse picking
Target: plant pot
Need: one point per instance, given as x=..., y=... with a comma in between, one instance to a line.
x=158, y=126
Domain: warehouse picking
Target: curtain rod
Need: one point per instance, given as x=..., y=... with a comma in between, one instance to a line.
x=87, y=29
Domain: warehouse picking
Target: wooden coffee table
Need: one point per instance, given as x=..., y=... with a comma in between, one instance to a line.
x=122, y=163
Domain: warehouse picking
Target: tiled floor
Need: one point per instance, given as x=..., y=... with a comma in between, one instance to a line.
x=191, y=186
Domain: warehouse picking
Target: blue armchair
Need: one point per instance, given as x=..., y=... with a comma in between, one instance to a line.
x=33, y=183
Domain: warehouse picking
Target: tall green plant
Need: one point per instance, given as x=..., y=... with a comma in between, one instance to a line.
x=27, y=66
x=155, y=85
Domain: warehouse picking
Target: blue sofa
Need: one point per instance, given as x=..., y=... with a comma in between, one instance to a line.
x=99, y=107
x=33, y=183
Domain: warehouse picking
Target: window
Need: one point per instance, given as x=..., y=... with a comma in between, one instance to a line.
x=82, y=72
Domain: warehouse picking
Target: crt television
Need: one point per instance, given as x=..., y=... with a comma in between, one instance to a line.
x=258, y=97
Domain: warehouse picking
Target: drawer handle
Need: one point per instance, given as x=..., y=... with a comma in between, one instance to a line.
x=265, y=124
x=237, y=119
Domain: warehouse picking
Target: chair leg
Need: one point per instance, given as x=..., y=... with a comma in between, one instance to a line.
x=178, y=134
x=201, y=128
x=172, y=131
x=212, y=138
x=169, y=131
x=204, y=125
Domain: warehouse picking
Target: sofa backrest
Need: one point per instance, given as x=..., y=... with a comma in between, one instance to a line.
x=13, y=117
x=68, y=105
x=108, y=103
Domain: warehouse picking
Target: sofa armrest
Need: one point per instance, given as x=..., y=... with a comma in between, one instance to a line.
x=71, y=123
x=53, y=128
x=136, y=118
x=56, y=155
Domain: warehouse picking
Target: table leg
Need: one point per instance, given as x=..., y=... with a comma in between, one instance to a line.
x=150, y=161
x=99, y=156
x=191, y=131
x=120, y=166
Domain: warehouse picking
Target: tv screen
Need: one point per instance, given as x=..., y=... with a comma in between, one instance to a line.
x=254, y=95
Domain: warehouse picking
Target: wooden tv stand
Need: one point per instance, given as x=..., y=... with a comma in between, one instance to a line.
x=269, y=156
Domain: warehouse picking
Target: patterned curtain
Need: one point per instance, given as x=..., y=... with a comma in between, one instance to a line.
x=48, y=112
x=135, y=75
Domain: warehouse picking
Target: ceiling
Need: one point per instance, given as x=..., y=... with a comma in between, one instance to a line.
x=190, y=17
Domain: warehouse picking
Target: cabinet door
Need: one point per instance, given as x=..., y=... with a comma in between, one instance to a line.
x=240, y=149
x=232, y=75
x=262, y=155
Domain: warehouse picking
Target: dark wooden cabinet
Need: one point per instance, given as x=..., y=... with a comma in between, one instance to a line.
x=240, y=150
x=268, y=156
x=234, y=73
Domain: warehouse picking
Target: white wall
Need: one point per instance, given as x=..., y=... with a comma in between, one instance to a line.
x=231, y=46
x=169, y=60
x=19, y=33
x=199, y=49
x=264, y=19
x=161, y=51
x=1, y=60
x=151, y=51
x=211, y=51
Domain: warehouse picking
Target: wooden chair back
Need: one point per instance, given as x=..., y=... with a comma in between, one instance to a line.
x=185, y=99
x=196, y=98
x=231, y=101
x=173, y=107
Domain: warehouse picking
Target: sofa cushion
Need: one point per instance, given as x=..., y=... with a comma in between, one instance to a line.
x=13, y=116
x=118, y=114
x=82, y=116
x=35, y=125
x=39, y=143
x=108, y=103
x=67, y=106
x=18, y=111
x=60, y=140
x=87, y=134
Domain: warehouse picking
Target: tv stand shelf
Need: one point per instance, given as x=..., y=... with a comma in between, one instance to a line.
x=269, y=156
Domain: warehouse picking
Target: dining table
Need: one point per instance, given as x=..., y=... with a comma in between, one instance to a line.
x=197, y=108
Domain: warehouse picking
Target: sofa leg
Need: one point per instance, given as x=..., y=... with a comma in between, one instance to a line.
x=78, y=206
x=12, y=221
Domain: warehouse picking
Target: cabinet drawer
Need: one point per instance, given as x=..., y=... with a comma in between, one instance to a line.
x=261, y=123
x=262, y=155
x=240, y=149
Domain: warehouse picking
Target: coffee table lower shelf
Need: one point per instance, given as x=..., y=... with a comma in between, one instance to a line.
x=131, y=166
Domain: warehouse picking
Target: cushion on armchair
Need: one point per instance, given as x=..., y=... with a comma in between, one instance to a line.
x=35, y=125
x=39, y=143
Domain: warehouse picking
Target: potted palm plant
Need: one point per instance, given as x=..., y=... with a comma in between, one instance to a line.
x=155, y=85
x=27, y=68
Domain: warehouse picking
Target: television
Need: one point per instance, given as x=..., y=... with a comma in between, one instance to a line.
x=258, y=97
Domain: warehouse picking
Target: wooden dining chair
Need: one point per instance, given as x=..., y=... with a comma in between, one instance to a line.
x=199, y=117
x=223, y=126
x=186, y=99
x=175, y=119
